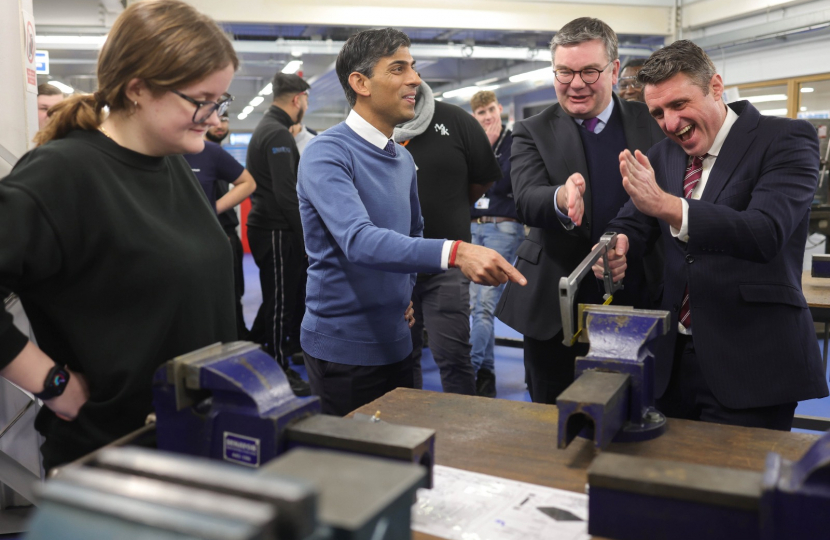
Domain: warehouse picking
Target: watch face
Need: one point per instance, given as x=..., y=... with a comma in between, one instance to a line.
x=59, y=379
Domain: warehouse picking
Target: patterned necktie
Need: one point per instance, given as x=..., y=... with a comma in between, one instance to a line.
x=590, y=124
x=694, y=171
x=390, y=148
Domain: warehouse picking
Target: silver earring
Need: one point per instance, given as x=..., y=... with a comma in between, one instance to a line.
x=135, y=104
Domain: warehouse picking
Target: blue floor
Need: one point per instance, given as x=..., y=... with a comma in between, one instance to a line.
x=509, y=364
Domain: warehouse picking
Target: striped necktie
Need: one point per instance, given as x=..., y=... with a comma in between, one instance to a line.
x=694, y=171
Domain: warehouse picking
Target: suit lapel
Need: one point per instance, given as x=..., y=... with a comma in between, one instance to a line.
x=737, y=143
x=635, y=126
x=676, y=163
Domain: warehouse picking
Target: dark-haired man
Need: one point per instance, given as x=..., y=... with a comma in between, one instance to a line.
x=561, y=156
x=218, y=133
x=363, y=230
x=731, y=191
x=630, y=88
x=275, y=233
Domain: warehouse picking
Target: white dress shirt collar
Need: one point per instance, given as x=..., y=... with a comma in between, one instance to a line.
x=366, y=130
x=720, y=138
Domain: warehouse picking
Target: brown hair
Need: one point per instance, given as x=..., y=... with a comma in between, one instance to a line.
x=482, y=99
x=165, y=43
x=682, y=56
x=47, y=89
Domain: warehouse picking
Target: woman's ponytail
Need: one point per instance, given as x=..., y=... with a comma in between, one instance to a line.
x=81, y=111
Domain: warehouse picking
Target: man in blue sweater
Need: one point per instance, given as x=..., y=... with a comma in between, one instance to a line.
x=363, y=232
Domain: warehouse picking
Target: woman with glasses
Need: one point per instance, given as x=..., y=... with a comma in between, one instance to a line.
x=107, y=237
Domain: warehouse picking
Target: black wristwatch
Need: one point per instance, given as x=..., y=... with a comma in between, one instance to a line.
x=55, y=383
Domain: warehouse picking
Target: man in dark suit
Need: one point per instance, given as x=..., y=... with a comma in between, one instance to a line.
x=566, y=155
x=731, y=191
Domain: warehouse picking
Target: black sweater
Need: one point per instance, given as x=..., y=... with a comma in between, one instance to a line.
x=120, y=265
x=273, y=160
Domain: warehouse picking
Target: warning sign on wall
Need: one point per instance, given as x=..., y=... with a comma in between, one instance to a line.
x=29, y=50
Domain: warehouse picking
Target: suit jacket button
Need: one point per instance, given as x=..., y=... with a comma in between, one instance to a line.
x=690, y=259
x=675, y=307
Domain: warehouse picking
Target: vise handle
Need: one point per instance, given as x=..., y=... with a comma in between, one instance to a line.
x=569, y=285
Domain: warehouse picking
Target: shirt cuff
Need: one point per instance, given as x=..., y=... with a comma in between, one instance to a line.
x=445, y=254
x=682, y=234
x=563, y=218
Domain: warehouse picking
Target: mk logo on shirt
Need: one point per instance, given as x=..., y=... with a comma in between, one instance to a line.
x=441, y=129
x=281, y=150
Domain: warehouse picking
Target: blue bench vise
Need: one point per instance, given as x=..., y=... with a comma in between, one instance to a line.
x=612, y=396
x=632, y=498
x=232, y=402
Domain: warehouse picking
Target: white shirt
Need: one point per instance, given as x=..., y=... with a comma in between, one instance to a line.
x=373, y=136
x=682, y=234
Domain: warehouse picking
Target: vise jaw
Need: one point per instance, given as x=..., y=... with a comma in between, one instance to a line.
x=612, y=398
x=232, y=402
x=635, y=498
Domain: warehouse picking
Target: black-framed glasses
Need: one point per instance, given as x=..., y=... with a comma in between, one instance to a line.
x=205, y=108
x=588, y=75
x=630, y=82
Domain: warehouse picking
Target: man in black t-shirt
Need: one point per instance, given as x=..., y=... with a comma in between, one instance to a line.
x=456, y=165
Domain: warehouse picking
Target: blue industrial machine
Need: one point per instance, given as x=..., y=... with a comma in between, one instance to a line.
x=612, y=398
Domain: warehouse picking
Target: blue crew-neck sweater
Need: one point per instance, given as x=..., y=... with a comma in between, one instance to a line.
x=363, y=234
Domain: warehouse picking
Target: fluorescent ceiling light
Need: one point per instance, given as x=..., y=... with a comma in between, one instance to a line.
x=256, y=101
x=468, y=91
x=242, y=116
x=65, y=88
x=71, y=40
x=774, y=112
x=248, y=110
x=807, y=90
x=536, y=75
x=767, y=97
x=802, y=109
x=266, y=90
x=292, y=66
x=487, y=81
x=439, y=99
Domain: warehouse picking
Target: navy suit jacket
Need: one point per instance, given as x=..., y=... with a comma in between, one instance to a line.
x=753, y=333
x=547, y=149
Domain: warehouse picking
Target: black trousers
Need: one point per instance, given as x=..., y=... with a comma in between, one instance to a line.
x=343, y=388
x=549, y=366
x=282, y=267
x=689, y=397
x=238, y=280
x=442, y=305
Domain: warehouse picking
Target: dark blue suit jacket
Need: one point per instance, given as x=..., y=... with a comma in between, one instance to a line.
x=753, y=333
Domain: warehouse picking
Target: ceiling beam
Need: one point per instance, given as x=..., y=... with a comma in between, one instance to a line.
x=514, y=15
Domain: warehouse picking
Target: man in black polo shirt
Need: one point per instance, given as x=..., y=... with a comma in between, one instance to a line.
x=275, y=233
x=456, y=165
x=494, y=225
